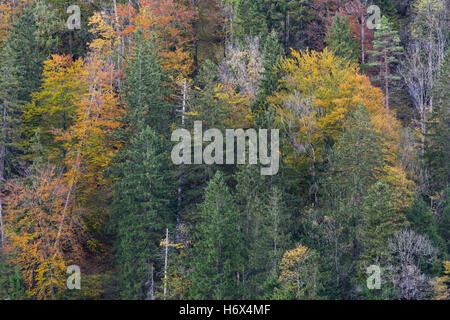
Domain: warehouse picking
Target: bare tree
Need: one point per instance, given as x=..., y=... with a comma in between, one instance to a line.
x=411, y=252
x=243, y=66
x=425, y=54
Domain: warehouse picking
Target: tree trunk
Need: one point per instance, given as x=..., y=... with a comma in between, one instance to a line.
x=166, y=253
x=2, y=171
x=150, y=293
x=181, y=167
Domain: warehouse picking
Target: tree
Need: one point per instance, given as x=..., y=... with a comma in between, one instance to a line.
x=411, y=253
x=171, y=20
x=424, y=56
x=265, y=224
x=386, y=48
x=217, y=253
x=356, y=13
x=299, y=272
x=144, y=191
x=41, y=240
x=23, y=58
x=437, y=148
x=380, y=220
x=142, y=208
x=262, y=111
x=353, y=169
x=54, y=106
x=20, y=74
x=316, y=94
x=444, y=218
x=423, y=222
x=10, y=13
x=20, y=70
x=147, y=91
x=250, y=19
x=340, y=40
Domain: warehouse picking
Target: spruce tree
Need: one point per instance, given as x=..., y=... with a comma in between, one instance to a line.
x=380, y=220
x=422, y=221
x=20, y=74
x=144, y=194
x=353, y=168
x=265, y=225
x=141, y=210
x=250, y=19
x=147, y=90
x=340, y=41
x=263, y=113
x=217, y=253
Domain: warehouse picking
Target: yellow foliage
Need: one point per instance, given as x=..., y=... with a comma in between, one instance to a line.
x=319, y=91
x=402, y=187
x=441, y=285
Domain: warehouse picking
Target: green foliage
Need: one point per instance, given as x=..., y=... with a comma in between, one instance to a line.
x=340, y=40
x=444, y=219
x=20, y=74
x=423, y=221
x=386, y=49
x=251, y=18
x=12, y=285
x=380, y=220
x=144, y=193
x=265, y=226
x=217, y=253
x=437, y=151
x=141, y=211
x=147, y=88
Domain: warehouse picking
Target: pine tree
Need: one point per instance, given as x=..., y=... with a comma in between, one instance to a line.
x=340, y=41
x=217, y=253
x=386, y=48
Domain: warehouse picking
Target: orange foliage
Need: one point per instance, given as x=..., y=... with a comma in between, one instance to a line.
x=9, y=12
x=172, y=22
x=39, y=238
x=89, y=145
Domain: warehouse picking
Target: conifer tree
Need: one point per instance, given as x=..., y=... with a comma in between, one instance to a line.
x=146, y=91
x=141, y=210
x=340, y=41
x=386, y=48
x=144, y=194
x=250, y=19
x=380, y=220
x=217, y=253
x=423, y=222
x=20, y=72
x=437, y=151
x=353, y=168
x=20, y=75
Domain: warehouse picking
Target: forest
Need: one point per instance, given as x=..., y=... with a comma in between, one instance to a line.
x=93, y=207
